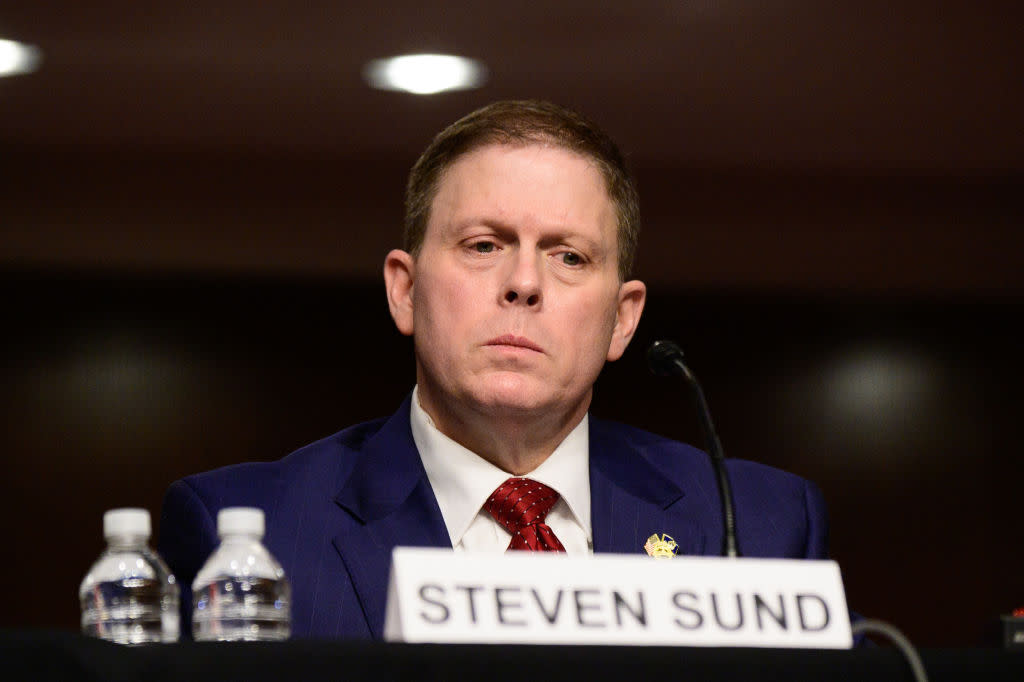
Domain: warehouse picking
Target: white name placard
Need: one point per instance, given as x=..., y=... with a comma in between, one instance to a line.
x=437, y=595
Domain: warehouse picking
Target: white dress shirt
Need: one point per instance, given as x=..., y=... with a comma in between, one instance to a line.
x=462, y=482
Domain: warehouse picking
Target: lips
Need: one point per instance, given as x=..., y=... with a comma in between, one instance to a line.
x=515, y=342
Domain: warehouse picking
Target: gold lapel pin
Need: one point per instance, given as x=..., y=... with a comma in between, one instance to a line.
x=661, y=546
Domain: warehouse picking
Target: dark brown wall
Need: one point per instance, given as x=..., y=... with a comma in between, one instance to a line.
x=756, y=229
x=903, y=409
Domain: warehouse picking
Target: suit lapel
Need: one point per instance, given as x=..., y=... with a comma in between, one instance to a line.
x=630, y=500
x=390, y=503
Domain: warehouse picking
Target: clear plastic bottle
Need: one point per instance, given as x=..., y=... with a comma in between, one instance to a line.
x=129, y=595
x=241, y=592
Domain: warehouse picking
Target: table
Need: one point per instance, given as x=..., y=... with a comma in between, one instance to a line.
x=54, y=655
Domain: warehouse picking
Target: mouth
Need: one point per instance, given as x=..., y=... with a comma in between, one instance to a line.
x=512, y=341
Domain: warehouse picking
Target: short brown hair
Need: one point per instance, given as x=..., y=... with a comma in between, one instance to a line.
x=523, y=122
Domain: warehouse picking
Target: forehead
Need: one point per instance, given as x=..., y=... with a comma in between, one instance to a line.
x=535, y=181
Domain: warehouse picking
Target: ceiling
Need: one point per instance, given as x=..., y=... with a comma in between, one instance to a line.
x=801, y=86
x=793, y=82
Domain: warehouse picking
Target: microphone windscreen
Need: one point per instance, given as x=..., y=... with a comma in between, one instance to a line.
x=664, y=358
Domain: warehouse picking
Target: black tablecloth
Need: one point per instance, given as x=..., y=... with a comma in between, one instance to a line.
x=45, y=655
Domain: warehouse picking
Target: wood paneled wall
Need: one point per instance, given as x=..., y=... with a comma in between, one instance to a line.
x=904, y=410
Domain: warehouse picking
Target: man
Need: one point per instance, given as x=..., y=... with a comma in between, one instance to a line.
x=521, y=224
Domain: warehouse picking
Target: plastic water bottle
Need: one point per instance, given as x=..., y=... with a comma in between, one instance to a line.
x=129, y=596
x=241, y=592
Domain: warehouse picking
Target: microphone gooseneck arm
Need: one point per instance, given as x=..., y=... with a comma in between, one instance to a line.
x=666, y=359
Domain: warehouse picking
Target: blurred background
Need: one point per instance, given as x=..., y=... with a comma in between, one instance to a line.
x=196, y=200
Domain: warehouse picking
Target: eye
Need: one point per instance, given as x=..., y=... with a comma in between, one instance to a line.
x=483, y=247
x=572, y=258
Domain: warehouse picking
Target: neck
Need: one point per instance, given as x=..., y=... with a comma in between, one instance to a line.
x=516, y=442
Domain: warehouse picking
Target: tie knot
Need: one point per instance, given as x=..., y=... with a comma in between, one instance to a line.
x=520, y=502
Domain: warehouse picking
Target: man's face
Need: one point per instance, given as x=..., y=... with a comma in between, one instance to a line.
x=514, y=299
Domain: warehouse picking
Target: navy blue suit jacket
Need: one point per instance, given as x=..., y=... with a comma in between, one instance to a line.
x=336, y=508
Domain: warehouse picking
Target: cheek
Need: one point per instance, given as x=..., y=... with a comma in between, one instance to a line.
x=448, y=309
x=588, y=325
x=597, y=314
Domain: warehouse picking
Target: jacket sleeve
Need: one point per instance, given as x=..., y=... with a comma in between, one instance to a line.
x=816, y=545
x=188, y=535
x=817, y=542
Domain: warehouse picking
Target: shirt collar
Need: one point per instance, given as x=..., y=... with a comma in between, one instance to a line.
x=462, y=480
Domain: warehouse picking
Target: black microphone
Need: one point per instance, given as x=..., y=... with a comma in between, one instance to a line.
x=666, y=359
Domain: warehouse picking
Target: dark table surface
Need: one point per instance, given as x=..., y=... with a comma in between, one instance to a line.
x=52, y=655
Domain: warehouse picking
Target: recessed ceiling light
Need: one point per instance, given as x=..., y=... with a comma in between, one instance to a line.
x=18, y=58
x=425, y=74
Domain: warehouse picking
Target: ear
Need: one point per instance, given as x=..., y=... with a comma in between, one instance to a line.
x=632, y=295
x=399, y=275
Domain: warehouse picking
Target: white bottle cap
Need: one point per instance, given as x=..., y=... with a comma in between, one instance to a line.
x=127, y=522
x=240, y=521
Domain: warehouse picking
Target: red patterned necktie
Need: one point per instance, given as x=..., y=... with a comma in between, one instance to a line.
x=520, y=505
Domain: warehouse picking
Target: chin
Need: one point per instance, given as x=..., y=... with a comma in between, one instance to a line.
x=516, y=396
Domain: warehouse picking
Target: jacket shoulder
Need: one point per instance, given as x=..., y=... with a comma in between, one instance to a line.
x=682, y=461
x=291, y=491
x=778, y=512
x=322, y=464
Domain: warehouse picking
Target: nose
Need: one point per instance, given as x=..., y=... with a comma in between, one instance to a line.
x=523, y=285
